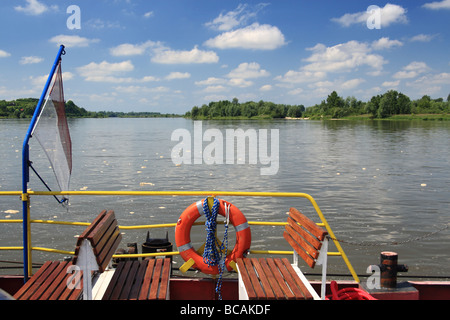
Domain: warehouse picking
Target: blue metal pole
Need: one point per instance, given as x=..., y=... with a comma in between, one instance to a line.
x=25, y=164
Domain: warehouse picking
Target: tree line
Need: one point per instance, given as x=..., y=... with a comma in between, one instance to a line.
x=378, y=107
x=24, y=108
x=334, y=106
x=234, y=109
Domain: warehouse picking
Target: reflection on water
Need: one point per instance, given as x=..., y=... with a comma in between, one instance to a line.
x=375, y=181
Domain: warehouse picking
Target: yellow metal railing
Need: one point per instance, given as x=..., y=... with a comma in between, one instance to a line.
x=26, y=197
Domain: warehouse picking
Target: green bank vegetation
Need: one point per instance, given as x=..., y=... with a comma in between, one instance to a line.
x=24, y=108
x=226, y=109
x=390, y=105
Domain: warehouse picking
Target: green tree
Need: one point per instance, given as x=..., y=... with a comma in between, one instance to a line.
x=295, y=111
x=194, y=112
x=373, y=105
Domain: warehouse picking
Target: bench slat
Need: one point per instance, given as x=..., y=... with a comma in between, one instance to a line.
x=103, y=227
x=155, y=279
x=297, y=280
x=91, y=227
x=246, y=279
x=310, y=261
x=309, y=240
x=301, y=242
x=62, y=291
x=143, y=295
x=254, y=279
x=113, y=282
x=23, y=291
x=277, y=278
x=49, y=283
x=125, y=271
x=164, y=286
x=130, y=280
x=134, y=294
x=308, y=223
x=104, y=256
x=271, y=278
x=281, y=282
x=265, y=280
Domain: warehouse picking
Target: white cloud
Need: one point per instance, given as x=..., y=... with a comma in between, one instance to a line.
x=235, y=18
x=218, y=88
x=30, y=60
x=323, y=88
x=195, y=55
x=343, y=57
x=141, y=89
x=105, y=68
x=72, y=41
x=301, y=76
x=210, y=81
x=248, y=70
x=228, y=21
x=40, y=81
x=266, y=87
x=4, y=54
x=391, y=84
x=430, y=84
x=239, y=82
x=128, y=49
x=34, y=8
x=437, y=5
x=10, y=94
x=255, y=36
x=351, y=84
x=295, y=92
x=423, y=37
x=178, y=75
x=385, y=43
x=412, y=70
x=149, y=14
x=389, y=14
x=110, y=72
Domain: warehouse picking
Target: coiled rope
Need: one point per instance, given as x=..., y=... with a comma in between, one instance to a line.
x=347, y=293
x=212, y=255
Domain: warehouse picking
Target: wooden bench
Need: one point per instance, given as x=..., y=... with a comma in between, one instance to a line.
x=140, y=280
x=277, y=278
x=50, y=283
x=94, y=250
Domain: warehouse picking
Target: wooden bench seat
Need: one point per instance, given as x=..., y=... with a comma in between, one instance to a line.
x=94, y=250
x=50, y=283
x=271, y=279
x=277, y=278
x=140, y=280
x=103, y=237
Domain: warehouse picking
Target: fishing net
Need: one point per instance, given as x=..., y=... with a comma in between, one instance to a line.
x=52, y=132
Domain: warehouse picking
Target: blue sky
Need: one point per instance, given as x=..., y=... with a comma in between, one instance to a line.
x=168, y=56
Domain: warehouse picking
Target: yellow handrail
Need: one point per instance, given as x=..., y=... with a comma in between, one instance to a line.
x=194, y=193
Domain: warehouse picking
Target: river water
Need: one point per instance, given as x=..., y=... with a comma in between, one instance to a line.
x=382, y=185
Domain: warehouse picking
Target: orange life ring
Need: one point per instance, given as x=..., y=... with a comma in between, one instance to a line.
x=183, y=235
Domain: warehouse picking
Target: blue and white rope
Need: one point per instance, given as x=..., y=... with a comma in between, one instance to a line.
x=212, y=255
